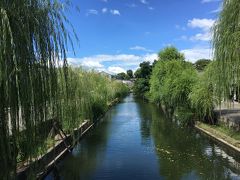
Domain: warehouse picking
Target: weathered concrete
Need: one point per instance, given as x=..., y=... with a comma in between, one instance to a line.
x=229, y=115
x=221, y=140
x=45, y=163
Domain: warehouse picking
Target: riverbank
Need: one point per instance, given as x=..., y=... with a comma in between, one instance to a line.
x=63, y=145
x=221, y=134
x=135, y=131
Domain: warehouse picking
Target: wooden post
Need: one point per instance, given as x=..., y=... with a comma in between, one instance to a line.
x=60, y=132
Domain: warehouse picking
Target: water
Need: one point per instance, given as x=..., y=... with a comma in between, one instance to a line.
x=136, y=141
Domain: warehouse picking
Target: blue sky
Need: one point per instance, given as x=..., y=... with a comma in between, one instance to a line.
x=116, y=35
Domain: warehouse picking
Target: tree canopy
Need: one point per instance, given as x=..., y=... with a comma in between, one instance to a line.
x=33, y=43
x=142, y=75
x=170, y=53
x=130, y=73
x=226, y=43
x=144, y=71
x=122, y=76
x=201, y=64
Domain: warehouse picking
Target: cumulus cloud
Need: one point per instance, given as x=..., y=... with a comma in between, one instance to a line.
x=115, y=70
x=140, y=48
x=92, y=64
x=115, y=12
x=207, y=36
x=124, y=61
x=197, y=53
x=205, y=26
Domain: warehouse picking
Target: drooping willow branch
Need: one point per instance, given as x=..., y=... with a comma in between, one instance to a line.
x=226, y=43
x=33, y=41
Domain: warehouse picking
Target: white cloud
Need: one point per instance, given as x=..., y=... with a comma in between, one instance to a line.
x=208, y=1
x=105, y=1
x=150, y=8
x=144, y=1
x=115, y=70
x=197, y=53
x=115, y=12
x=104, y=10
x=219, y=9
x=92, y=12
x=205, y=26
x=150, y=57
x=140, y=48
x=207, y=36
x=92, y=64
x=124, y=61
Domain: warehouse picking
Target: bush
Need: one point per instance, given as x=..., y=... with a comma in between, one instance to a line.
x=202, y=96
x=171, y=82
x=89, y=95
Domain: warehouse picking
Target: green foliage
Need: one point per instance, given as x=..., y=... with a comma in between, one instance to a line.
x=33, y=89
x=144, y=71
x=226, y=42
x=130, y=73
x=170, y=84
x=203, y=96
x=170, y=53
x=201, y=64
x=88, y=96
x=33, y=42
x=122, y=76
x=142, y=75
x=176, y=85
x=141, y=86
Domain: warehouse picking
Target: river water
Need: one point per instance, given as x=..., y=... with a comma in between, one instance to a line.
x=136, y=141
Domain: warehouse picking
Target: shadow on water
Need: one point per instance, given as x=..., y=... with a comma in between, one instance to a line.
x=136, y=141
x=86, y=155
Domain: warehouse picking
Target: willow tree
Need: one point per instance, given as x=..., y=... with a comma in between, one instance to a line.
x=226, y=43
x=33, y=41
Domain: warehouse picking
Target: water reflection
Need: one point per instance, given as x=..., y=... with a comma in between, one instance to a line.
x=136, y=141
x=183, y=153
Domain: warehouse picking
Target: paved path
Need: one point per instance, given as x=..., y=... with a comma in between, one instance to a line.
x=229, y=111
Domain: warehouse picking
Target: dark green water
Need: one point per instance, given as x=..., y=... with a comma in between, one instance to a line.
x=136, y=141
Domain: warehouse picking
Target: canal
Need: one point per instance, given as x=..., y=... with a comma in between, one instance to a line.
x=136, y=141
